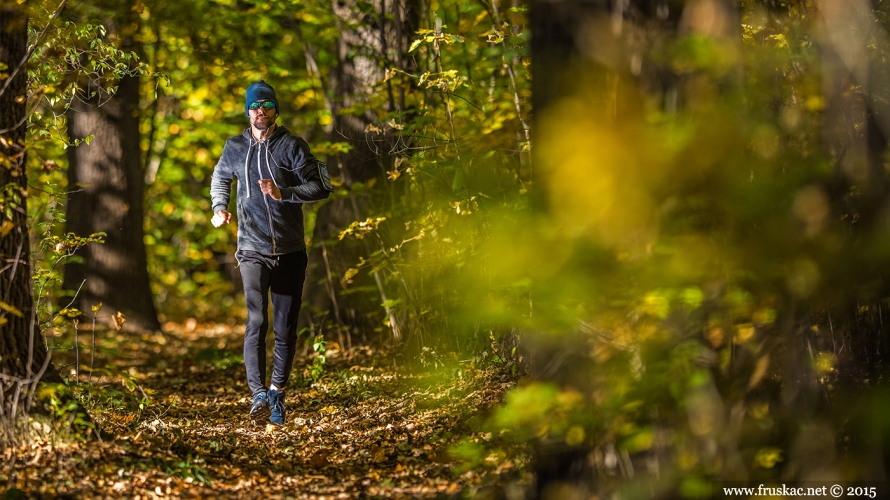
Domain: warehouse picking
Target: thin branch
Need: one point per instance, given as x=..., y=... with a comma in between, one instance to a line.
x=24, y=118
x=464, y=99
x=154, y=105
x=30, y=51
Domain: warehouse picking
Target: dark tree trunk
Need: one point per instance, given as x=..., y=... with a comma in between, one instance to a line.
x=24, y=359
x=106, y=184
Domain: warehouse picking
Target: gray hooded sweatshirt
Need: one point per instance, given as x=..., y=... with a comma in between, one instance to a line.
x=267, y=226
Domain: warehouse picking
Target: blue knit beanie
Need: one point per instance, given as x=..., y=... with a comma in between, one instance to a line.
x=259, y=91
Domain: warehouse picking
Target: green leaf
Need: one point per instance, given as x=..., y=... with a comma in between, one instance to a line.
x=391, y=303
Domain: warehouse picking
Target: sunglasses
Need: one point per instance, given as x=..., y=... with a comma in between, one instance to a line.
x=267, y=105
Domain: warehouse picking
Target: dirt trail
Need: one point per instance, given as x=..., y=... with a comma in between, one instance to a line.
x=366, y=429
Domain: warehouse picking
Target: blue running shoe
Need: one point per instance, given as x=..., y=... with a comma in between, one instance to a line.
x=276, y=401
x=260, y=410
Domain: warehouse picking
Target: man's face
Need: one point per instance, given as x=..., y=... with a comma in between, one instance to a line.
x=261, y=118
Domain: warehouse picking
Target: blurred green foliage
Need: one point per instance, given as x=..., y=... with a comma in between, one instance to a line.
x=703, y=259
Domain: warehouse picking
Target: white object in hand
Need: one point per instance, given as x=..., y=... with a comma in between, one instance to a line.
x=221, y=217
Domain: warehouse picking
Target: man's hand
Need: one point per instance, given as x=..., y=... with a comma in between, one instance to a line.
x=268, y=187
x=221, y=217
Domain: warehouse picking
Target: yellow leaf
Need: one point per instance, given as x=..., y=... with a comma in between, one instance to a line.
x=824, y=363
x=743, y=333
x=11, y=309
x=46, y=392
x=759, y=372
x=640, y=441
x=70, y=312
x=97, y=307
x=815, y=103
x=575, y=435
x=6, y=228
x=118, y=320
x=768, y=457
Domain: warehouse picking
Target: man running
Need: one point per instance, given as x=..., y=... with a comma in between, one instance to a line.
x=276, y=173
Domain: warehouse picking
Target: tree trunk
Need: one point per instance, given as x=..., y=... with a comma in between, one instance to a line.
x=106, y=185
x=24, y=359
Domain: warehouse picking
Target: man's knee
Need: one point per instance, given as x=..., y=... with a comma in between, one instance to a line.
x=288, y=338
x=256, y=322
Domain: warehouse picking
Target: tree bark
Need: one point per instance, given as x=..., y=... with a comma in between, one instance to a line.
x=24, y=358
x=106, y=188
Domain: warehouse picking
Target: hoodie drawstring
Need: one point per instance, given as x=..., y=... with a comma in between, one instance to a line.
x=259, y=163
x=259, y=160
x=269, y=167
x=246, y=158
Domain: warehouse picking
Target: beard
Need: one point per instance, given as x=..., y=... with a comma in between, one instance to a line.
x=263, y=122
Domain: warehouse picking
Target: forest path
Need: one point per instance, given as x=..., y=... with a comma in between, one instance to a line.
x=365, y=429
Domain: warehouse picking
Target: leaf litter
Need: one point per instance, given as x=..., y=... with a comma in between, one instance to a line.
x=366, y=428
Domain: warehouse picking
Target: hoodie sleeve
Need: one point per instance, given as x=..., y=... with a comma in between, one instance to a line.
x=312, y=188
x=221, y=183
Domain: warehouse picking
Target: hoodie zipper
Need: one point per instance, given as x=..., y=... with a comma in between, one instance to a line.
x=259, y=170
